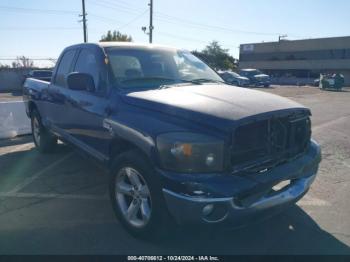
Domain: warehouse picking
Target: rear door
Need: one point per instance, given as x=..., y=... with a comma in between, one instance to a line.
x=88, y=109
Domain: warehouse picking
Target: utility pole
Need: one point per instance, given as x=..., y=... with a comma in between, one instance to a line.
x=281, y=37
x=151, y=22
x=84, y=21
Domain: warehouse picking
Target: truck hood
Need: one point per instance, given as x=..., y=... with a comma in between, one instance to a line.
x=224, y=102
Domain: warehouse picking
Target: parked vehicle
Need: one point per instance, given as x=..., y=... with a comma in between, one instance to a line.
x=256, y=77
x=179, y=143
x=44, y=75
x=331, y=82
x=233, y=78
x=317, y=82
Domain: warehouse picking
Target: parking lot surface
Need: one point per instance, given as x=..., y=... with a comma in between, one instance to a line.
x=58, y=203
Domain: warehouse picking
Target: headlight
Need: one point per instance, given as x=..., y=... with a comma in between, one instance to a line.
x=190, y=152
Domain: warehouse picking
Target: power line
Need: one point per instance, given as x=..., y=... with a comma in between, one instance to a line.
x=133, y=20
x=32, y=10
x=104, y=19
x=160, y=16
x=190, y=39
x=172, y=19
x=38, y=28
x=122, y=4
x=124, y=24
x=119, y=6
x=182, y=38
x=177, y=20
x=34, y=59
x=115, y=7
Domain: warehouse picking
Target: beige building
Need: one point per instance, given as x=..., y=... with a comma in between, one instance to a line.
x=299, y=60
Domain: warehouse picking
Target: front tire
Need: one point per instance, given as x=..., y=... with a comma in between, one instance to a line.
x=136, y=195
x=43, y=140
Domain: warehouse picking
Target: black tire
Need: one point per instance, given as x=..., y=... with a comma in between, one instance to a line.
x=159, y=216
x=266, y=86
x=46, y=142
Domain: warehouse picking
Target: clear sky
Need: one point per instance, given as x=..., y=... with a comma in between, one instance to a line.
x=42, y=28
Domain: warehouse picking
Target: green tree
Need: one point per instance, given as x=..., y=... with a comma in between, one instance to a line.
x=217, y=57
x=115, y=36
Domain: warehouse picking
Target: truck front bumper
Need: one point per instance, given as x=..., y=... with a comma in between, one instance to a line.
x=232, y=211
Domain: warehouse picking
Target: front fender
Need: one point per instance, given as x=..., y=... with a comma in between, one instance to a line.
x=136, y=137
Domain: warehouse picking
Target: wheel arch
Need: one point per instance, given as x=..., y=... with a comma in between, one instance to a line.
x=121, y=145
x=31, y=107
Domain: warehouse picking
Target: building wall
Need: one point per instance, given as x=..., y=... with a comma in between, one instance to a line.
x=299, y=45
x=298, y=64
x=312, y=56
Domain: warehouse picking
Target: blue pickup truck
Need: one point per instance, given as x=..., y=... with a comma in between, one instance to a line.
x=180, y=145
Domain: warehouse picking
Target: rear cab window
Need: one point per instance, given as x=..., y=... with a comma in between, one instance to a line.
x=64, y=68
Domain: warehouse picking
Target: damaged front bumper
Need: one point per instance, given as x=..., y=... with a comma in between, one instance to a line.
x=253, y=197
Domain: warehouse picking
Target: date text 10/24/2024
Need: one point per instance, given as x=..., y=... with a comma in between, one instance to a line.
x=173, y=258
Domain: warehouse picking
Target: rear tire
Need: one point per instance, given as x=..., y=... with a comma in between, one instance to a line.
x=44, y=141
x=136, y=196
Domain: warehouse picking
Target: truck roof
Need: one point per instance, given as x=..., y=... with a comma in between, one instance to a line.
x=124, y=44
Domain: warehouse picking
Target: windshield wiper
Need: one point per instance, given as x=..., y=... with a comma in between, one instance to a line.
x=199, y=81
x=176, y=80
x=205, y=80
x=150, y=79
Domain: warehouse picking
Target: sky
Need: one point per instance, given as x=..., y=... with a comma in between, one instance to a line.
x=42, y=28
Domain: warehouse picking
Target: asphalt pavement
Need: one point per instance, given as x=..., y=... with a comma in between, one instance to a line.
x=58, y=203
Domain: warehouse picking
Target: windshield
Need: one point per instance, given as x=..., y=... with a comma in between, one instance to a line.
x=149, y=68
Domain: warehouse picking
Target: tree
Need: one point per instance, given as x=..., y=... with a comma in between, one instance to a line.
x=115, y=36
x=217, y=57
x=22, y=62
x=4, y=66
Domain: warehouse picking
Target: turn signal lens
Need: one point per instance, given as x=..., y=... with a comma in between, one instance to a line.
x=182, y=149
x=187, y=149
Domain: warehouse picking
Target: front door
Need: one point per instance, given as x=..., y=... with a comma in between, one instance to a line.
x=89, y=109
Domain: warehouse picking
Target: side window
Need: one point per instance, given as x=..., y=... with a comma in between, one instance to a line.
x=88, y=63
x=64, y=68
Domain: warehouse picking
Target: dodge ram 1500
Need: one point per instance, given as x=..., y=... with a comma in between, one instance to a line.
x=178, y=142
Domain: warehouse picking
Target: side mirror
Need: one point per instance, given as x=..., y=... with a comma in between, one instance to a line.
x=81, y=81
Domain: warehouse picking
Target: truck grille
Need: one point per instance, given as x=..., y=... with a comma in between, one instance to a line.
x=266, y=143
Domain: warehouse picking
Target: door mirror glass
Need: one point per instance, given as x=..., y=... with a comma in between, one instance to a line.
x=81, y=81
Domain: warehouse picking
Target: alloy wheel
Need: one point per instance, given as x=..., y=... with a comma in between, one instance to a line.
x=133, y=197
